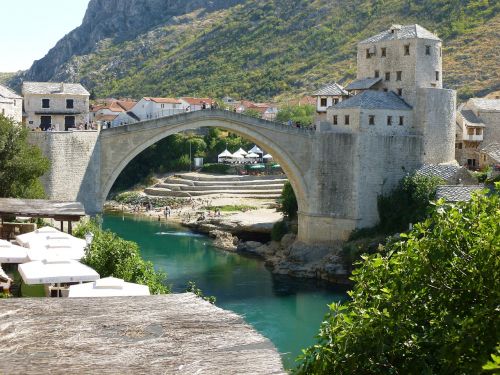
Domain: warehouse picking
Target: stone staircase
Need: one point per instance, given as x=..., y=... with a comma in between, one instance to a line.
x=196, y=184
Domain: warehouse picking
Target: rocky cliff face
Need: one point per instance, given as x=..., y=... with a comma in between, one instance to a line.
x=119, y=20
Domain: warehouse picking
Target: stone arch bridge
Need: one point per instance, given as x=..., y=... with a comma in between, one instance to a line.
x=336, y=176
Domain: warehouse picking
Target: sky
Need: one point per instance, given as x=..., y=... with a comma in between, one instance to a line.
x=30, y=28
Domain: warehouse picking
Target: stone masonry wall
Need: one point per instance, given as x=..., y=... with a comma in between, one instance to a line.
x=435, y=115
x=75, y=165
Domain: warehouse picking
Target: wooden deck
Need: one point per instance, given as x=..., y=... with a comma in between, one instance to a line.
x=165, y=334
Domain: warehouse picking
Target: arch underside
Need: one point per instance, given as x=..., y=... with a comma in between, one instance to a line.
x=283, y=154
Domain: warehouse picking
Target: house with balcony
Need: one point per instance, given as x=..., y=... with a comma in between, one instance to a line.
x=55, y=105
x=11, y=104
x=478, y=126
x=150, y=108
x=326, y=97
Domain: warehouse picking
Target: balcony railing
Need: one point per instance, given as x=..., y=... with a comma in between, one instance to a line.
x=473, y=137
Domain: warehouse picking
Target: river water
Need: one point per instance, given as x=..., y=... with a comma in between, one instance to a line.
x=288, y=311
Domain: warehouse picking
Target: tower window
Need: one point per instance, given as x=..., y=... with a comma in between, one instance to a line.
x=368, y=54
x=383, y=52
x=377, y=73
x=323, y=102
x=407, y=50
x=69, y=103
x=335, y=120
x=45, y=103
x=437, y=75
x=401, y=120
x=371, y=120
x=346, y=119
x=400, y=92
x=389, y=120
x=399, y=75
x=387, y=76
x=427, y=50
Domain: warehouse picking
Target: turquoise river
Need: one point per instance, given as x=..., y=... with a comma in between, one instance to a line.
x=288, y=311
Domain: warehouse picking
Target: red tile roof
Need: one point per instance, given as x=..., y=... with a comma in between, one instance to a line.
x=164, y=100
x=197, y=101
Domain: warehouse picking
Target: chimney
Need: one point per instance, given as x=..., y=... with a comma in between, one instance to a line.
x=395, y=28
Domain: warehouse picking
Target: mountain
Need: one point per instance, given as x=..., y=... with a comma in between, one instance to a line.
x=258, y=49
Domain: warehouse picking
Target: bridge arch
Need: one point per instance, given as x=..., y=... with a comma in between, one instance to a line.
x=120, y=145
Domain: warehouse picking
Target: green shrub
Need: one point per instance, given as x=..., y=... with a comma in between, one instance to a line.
x=216, y=168
x=193, y=288
x=407, y=203
x=280, y=228
x=288, y=201
x=111, y=255
x=427, y=304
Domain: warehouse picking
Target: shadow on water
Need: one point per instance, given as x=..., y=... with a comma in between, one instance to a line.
x=286, y=310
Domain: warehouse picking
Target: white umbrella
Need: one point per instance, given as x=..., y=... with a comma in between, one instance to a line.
x=252, y=155
x=108, y=287
x=256, y=150
x=267, y=156
x=10, y=253
x=48, y=242
x=49, y=271
x=237, y=156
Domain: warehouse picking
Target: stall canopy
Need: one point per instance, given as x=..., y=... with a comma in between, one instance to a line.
x=108, y=287
x=50, y=271
x=241, y=152
x=10, y=253
x=267, y=156
x=255, y=149
x=48, y=242
x=252, y=155
x=224, y=155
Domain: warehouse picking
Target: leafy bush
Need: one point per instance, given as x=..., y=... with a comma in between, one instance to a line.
x=279, y=229
x=193, y=288
x=21, y=164
x=407, y=203
x=288, y=201
x=299, y=114
x=111, y=255
x=427, y=304
x=216, y=168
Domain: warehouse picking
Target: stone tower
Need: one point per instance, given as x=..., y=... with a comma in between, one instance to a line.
x=407, y=60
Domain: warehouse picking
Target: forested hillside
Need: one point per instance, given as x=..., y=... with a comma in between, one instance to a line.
x=260, y=49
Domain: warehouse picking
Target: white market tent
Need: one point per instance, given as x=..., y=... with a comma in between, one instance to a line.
x=256, y=150
x=108, y=287
x=241, y=152
x=253, y=155
x=48, y=242
x=49, y=271
x=224, y=155
x=10, y=253
x=267, y=156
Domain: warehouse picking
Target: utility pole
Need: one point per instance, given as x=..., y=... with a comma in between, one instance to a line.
x=190, y=159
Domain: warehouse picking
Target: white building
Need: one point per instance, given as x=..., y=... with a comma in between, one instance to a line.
x=149, y=108
x=11, y=104
x=196, y=104
x=326, y=97
x=61, y=106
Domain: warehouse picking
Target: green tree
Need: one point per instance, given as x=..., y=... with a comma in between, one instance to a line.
x=288, y=201
x=111, y=255
x=21, y=164
x=252, y=113
x=407, y=203
x=426, y=304
x=298, y=114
